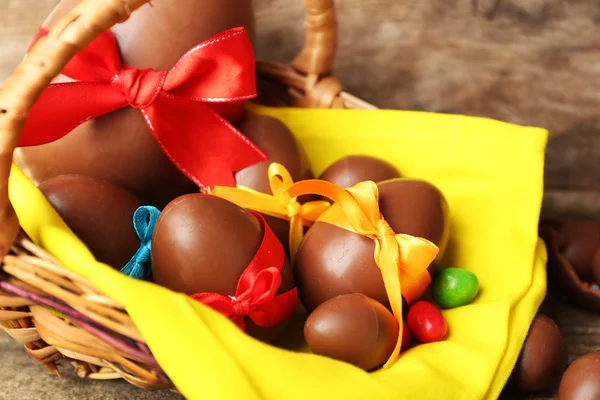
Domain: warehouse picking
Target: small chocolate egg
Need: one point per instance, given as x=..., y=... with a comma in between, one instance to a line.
x=581, y=380
x=543, y=357
x=353, y=328
x=99, y=213
x=332, y=261
x=203, y=244
x=581, y=240
x=279, y=144
x=351, y=170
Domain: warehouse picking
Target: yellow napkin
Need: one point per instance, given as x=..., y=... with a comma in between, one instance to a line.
x=492, y=175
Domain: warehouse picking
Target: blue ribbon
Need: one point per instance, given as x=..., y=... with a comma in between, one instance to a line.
x=144, y=221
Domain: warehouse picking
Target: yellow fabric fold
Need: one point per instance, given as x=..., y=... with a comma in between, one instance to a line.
x=494, y=207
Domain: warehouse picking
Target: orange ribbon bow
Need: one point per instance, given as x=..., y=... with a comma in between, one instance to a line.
x=279, y=205
x=403, y=259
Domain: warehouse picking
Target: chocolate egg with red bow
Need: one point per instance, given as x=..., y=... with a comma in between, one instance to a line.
x=99, y=213
x=333, y=261
x=348, y=171
x=203, y=245
x=275, y=139
x=118, y=146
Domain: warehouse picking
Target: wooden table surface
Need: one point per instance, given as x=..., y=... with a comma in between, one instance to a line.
x=20, y=18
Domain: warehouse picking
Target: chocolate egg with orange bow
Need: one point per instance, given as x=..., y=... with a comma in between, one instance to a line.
x=211, y=249
x=275, y=139
x=99, y=213
x=333, y=261
x=118, y=146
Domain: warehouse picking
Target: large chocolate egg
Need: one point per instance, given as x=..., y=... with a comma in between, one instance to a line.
x=203, y=244
x=581, y=381
x=279, y=144
x=99, y=213
x=332, y=261
x=118, y=147
x=543, y=357
x=351, y=170
x=353, y=328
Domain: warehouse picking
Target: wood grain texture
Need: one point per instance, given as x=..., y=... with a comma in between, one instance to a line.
x=531, y=62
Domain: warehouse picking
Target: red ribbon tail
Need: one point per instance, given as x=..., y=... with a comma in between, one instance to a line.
x=279, y=309
x=64, y=106
x=221, y=304
x=201, y=143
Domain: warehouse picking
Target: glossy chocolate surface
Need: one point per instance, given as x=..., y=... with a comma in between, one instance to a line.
x=203, y=244
x=99, y=213
x=352, y=328
x=543, y=357
x=279, y=144
x=118, y=147
x=351, y=170
x=581, y=381
x=332, y=261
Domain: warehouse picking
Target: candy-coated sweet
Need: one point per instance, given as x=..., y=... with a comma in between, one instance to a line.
x=426, y=322
x=454, y=287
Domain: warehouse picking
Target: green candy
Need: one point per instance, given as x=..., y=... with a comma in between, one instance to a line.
x=454, y=287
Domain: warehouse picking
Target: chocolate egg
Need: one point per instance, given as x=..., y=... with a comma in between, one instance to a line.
x=279, y=144
x=99, y=213
x=353, y=328
x=332, y=261
x=543, y=357
x=581, y=241
x=351, y=170
x=581, y=381
x=203, y=244
x=118, y=147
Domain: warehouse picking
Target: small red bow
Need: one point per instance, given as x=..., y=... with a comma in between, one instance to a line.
x=256, y=295
x=182, y=107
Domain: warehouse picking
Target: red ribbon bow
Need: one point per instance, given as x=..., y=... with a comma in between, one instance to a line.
x=256, y=294
x=180, y=106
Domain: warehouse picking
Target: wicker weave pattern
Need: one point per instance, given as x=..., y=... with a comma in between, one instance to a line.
x=57, y=315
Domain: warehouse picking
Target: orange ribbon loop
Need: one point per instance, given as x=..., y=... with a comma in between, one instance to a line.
x=279, y=205
x=403, y=259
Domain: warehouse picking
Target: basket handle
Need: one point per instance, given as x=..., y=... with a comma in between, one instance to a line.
x=318, y=54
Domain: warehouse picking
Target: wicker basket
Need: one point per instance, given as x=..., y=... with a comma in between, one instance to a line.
x=56, y=314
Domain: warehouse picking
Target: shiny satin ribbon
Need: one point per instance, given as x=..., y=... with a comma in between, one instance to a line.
x=279, y=205
x=256, y=294
x=144, y=221
x=403, y=259
x=184, y=108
